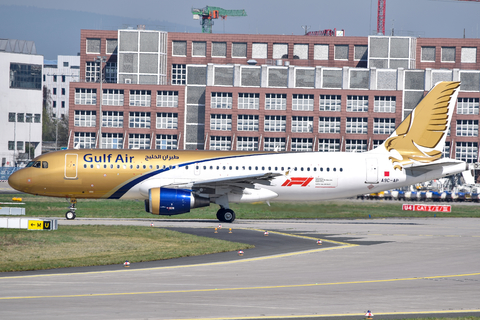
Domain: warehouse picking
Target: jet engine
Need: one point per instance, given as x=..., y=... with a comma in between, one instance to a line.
x=165, y=201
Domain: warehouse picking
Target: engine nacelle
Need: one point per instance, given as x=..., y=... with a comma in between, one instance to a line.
x=167, y=201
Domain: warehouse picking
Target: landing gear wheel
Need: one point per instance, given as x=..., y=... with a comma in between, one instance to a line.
x=70, y=215
x=226, y=215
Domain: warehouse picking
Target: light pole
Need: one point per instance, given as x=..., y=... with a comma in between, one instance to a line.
x=101, y=60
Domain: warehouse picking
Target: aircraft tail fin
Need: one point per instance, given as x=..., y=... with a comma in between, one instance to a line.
x=420, y=138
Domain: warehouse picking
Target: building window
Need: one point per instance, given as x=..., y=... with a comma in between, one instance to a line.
x=111, y=72
x=63, y=78
x=221, y=122
x=302, y=144
x=330, y=102
x=138, y=141
x=179, y=74
x=11, y=145
x=428, y=54
x=247, y=122
x=112, y=119
x=303, y=102
x=92, y=71
x=467, y=128
x=54, y=78
x=275, y=101
x=93, y=45
x=302, y=124
x=20, y=117
x=448, y=54
x=11, y=117
x=357, y=125
x=466, y=151
x=20, y=145
x=166, y=142
x=275, y=123
x=329, y=125
x=85, y=118
x=239, y=50
x=329, y=145
x=28, y=117
x=86, y=96
x=54, y=91
x=54, y=104
x=167, y=120
x=248, y=101
x=139, y=120
x=63, y=104
x=63, y=91
x=341, y=52
x=467, y=106
x=357, y=103
x=167, y=99
x=179, y=48
x=446, y=150
x=220, y=143
x=199, y=48
x=84, y=140
x=219, y=49
x=112, y=46
x=112, y=97
x=352, y=145
x=383, y=126
x=140, y=98
x=221, y=100
x=37, y=118
x=274, y=144
x=385, y=104
x=25, y=76
x=112, y=141
x=247, y=143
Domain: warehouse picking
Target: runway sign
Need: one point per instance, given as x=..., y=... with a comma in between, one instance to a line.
x=428, y=208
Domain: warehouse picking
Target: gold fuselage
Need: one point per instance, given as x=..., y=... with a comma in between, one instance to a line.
x=102, y=173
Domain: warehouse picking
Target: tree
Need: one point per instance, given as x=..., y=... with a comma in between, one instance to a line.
x=53, y=129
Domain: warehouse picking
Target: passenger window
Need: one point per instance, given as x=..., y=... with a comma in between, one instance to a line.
x=111, y=166
x=256, y=168
x=204, y=167
x=98, y=166
x=211, y=167
x=151, y=167
x=196, y=167
x=124, y=166
x=314, y=168
x=91, y=166
x=118, y=166
x=243, y=167
x=283, y=168
x=236, y=168
x=230, y=168
x=301, y=169
x=85, y=166
x=308, y=169
x=269, y=168
x=295, y=169
x=218, y=168
x=341, y=169
x=144, y=167
x=334, y=169
x=224, y=168
x=276, y=168
x=328, y=169
x=249, y=168
x=321, y=169
x=131, y=166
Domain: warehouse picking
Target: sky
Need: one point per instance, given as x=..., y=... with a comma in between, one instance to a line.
x=55, y=25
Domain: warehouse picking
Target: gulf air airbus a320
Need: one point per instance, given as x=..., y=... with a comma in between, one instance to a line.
x=173, y=182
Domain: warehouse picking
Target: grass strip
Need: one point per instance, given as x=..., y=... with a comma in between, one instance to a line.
x=75, y=246
x=340, y=209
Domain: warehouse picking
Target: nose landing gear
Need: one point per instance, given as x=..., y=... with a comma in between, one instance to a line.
x=70, y=215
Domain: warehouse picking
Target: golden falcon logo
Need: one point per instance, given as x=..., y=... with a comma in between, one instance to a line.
x=413, y=134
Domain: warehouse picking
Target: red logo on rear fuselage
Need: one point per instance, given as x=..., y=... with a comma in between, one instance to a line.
x=303, y=182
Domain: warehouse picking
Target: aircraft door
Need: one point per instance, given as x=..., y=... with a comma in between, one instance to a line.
x=372, y=170
x=71, y=166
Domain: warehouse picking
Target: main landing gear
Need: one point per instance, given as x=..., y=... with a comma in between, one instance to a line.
x=70, y=215
x=226, y=215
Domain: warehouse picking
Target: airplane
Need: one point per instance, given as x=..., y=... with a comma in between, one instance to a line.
x=175, y=181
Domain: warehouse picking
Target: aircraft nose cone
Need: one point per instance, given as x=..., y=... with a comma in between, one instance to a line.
x=15, y=181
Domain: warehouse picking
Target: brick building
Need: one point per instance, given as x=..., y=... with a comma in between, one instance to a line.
x=163, y=90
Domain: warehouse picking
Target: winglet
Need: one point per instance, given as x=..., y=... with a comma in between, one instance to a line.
x=420, y=138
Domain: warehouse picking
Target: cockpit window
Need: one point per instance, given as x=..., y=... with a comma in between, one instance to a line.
x=36, y=164
x=44, y=164
x=30, y=164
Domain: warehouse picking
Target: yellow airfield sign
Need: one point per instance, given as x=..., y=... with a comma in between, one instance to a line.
x=40, y=225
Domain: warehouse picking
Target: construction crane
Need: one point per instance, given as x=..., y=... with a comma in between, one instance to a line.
x=207, y=15
x=381, y=17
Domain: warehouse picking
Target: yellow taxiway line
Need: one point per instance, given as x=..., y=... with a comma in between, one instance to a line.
x=238, y=288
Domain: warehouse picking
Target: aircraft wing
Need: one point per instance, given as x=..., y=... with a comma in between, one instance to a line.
x=227, y=184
